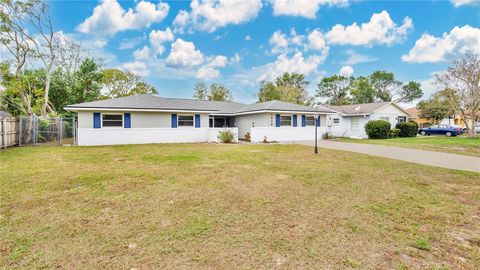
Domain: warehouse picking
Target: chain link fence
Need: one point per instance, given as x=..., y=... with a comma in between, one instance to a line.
x=47, y=131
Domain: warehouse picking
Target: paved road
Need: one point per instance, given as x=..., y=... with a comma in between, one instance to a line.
x=438, y=159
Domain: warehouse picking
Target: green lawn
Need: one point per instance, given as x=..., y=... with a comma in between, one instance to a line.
x=208, y=206
x=457, y=145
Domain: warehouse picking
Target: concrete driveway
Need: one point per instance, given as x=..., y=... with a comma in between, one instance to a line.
x=438, y=159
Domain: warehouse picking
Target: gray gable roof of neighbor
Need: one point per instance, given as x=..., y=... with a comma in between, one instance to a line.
x=155, y=102
x=365, y=108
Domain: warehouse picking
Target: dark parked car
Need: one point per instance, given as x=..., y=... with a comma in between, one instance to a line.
x=440, y=129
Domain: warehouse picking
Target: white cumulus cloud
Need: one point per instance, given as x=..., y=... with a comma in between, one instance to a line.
x=357, y=58
x=458, y=3
x=209, y=15
x=297, y=63
x=184, y=54
x=281, y=43
x=433, y=49
x=346, y=71
x=158, y=38
x=303, y=8
x=143, y=54
x=381, y=29
x=316, y=41
x=136, y=67
x=210, y=70
x=109, y=17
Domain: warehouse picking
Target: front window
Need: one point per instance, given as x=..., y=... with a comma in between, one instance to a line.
x=386, y=119
x=402, y=119
x=285, y=120
x=112, y=120
x=336, y=121
x=310, y=120
x=185, y=120
x=355, y=123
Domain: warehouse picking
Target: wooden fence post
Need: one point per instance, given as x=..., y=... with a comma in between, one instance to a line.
x=4, y=133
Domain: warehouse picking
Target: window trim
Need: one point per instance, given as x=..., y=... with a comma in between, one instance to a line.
x=384, y=118
x=115, y=113
x=193, y=121
x=333, y=121
x=358, y=123
x=306, y=121
x=291, y=120
x=404, y=118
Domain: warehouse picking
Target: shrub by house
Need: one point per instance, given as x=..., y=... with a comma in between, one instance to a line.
x=407, y=129
x=377, y=129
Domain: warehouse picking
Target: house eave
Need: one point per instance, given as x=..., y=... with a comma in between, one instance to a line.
x=109, y=109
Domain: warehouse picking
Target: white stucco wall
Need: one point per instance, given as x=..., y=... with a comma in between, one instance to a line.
x=146, y=127
x=245, y=122
x=390, y=111
x=344, y=129
x=141, y=119
x=112, y=136
x=267, y=120
x=285, y=134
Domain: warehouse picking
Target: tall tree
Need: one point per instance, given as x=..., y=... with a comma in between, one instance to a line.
x=462, y=79
x=200, y=91
x=436, y=108
x=219, y=92
x=215, y=92
x=27, y=33
x=384, y=85
x=410, y=92
x=334, y=89
x=15, y=40
x=290, y=87
x=362, y=91
x=87, y=82
x=387, y=88
x=117, y=83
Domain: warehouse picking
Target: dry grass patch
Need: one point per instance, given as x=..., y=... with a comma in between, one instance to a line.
x=242, y=206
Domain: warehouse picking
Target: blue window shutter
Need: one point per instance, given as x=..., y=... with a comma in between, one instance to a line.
x=304, y=120
x=174, y=120
x=96, y=120
x=294, y=120
x=318, y=121
x=126, y=120
x=277, y=120
x=197, y=120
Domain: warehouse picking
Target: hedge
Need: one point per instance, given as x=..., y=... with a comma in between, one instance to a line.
x=377, y=129
x=407, y=129
x=394, y=132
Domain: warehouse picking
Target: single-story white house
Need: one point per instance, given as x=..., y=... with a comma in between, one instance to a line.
x=153, y=119
x=350, y=120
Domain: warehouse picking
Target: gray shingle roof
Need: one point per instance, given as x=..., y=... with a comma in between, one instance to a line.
x=275, y=105
x=365, y=108
x=147, y=101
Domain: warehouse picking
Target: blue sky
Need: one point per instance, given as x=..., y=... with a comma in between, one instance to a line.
x=173, y=44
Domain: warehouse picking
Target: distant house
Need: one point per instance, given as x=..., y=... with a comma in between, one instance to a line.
x=422, y=122
x=454, y=120
x=350, y=120
x=154, y=119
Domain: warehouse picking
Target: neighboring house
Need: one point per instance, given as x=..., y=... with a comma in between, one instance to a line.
x=454, y=120
x=422, y=122
x=153, y=119
x=350, y=120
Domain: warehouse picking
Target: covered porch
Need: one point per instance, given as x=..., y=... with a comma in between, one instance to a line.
x=221, y=121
